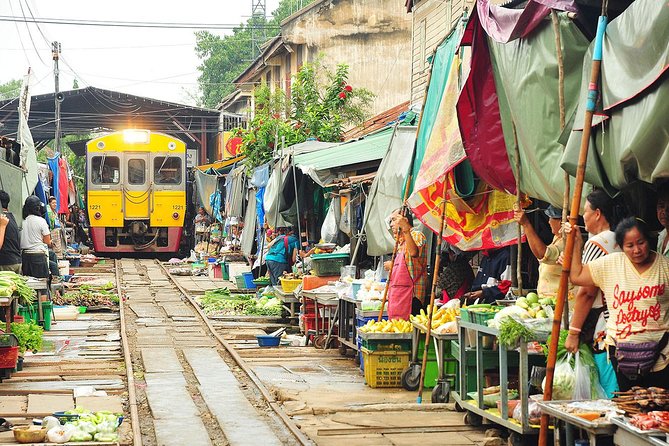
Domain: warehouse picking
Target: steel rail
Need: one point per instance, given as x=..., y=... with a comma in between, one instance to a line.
x=271, y=401
x=132, y=397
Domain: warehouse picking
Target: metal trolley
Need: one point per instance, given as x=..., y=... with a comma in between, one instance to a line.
x=411, y=375
x=475, y=409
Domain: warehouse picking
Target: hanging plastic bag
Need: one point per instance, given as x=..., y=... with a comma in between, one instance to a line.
x=345, y=221
x=329, y=228
x=564, y=379
x=582, y=379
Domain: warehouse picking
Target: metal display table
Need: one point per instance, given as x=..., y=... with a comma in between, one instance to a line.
x=626, y=435
x=290, y=302
x=39, y=285
x=572, y=422
x=476, y=410
x=347, y=326
x=411, y=375
x=7, y=304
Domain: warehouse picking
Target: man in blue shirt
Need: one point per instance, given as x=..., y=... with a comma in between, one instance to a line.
x=282, y=254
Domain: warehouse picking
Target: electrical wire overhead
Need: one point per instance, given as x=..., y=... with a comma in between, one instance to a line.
x=125, y=24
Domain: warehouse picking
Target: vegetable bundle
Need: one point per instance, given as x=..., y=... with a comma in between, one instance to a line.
x=220, y=302
x=11, y=283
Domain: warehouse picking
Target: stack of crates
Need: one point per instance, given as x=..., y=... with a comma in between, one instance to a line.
x=361, y=318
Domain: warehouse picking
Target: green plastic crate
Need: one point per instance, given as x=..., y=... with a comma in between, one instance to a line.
x=328, y=264
x=403, y=345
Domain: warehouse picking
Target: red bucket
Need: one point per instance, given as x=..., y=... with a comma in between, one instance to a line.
x=8, y=357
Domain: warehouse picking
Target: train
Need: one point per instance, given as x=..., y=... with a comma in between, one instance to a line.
x=136, y=197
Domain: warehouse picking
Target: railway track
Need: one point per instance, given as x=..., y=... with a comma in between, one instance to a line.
x=176, y=362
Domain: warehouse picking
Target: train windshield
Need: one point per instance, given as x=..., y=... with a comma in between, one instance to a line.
x=105, y=170
x=136, y=171
x=167, y=170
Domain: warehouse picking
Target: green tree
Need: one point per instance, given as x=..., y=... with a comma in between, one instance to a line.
x=10, y=89
x=75, y=85
x=321, y=106
x=225, y=58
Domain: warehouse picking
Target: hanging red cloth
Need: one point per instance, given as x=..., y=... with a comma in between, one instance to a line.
x=479, y=117
x=63, y=187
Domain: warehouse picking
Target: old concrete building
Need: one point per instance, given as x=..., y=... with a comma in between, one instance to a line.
x=373, y=37
x=432, y=22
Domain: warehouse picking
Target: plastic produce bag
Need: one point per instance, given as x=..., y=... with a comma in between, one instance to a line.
x=564, y=379
x=587, y=385
x=329, y=228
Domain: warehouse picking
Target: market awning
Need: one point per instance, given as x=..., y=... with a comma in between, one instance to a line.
x=321, y=164
x=220, y=164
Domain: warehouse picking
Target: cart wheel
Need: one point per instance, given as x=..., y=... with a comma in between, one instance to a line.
x=473, y=419
x=319, y=342
x=411, y=377
x=459, y=408
x=515, y=439
x=342, y=349
x=441, y=392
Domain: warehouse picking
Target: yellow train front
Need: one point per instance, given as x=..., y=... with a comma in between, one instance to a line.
x=136, y=192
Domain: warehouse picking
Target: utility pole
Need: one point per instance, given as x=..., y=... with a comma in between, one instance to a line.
x=258, y=25
x=58, y=98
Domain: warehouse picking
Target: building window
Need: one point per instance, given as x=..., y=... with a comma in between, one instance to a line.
x=277, y=76
x=288, y=72
x=300, y=56
x=105, y=170
x=269, y=78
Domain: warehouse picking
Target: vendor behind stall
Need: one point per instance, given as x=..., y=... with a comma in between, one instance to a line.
x=281, y=254
x=10, y=240
x=488, y=286
x=547, y=255
x=406, y=293
x=35, y=241
x=635, y=283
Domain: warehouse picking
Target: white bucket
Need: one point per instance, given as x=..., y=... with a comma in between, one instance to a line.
x=63, y=267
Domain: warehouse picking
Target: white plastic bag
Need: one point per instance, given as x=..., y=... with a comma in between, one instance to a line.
x=564, y=379
x=329, y=228
x=583, y=385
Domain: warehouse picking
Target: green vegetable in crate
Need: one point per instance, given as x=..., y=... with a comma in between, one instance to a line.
x=29, y=336
x=512, y=331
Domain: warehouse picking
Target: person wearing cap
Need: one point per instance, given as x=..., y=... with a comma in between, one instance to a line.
x=549, y=268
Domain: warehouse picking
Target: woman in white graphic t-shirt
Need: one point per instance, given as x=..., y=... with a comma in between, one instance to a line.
x=636, y=287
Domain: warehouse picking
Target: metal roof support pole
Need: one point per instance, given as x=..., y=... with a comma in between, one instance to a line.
x=297, y=211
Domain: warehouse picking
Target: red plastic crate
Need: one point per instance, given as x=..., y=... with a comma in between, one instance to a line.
x=8, y=357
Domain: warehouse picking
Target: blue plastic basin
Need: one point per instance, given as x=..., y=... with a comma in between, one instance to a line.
x=268, y=341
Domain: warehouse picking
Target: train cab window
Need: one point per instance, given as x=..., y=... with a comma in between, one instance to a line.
x=136, y=171
x=105, y=170
x=167, y=170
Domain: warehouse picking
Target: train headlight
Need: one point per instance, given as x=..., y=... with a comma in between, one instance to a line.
x=132, y=136
x=97, y=216
x=175, y=216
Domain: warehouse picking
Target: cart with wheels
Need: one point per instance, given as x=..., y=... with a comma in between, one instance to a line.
x=442, y=347
x=320, y=310
x=474, y=406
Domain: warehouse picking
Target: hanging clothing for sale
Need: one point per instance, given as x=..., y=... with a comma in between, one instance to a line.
x=63, y=188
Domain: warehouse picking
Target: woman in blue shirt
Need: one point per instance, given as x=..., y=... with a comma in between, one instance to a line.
x=282, y=254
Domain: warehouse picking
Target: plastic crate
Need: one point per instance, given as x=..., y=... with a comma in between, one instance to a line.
x=400, y=345
x=241, y=283
x=328, y=264
x=384, y=368
x=248, y=280
x=289, y=285
x=483, y=318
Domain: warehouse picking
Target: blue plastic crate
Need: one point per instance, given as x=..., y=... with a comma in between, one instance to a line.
x=248, y=280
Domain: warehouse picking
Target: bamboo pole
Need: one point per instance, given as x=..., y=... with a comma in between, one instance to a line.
x=430, y=313
x=519, y=261
x=593, y=91
x=560, y=63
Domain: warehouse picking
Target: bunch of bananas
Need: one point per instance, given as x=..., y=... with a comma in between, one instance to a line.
x=392, y=326
x=442, y=316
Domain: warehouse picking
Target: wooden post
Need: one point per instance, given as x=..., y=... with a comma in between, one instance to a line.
x=430, y=313
x=593, y=91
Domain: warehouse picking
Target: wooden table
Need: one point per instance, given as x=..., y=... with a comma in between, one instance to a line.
x=6, y=304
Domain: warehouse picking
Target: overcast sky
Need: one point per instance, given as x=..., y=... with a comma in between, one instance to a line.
x=156, y=63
